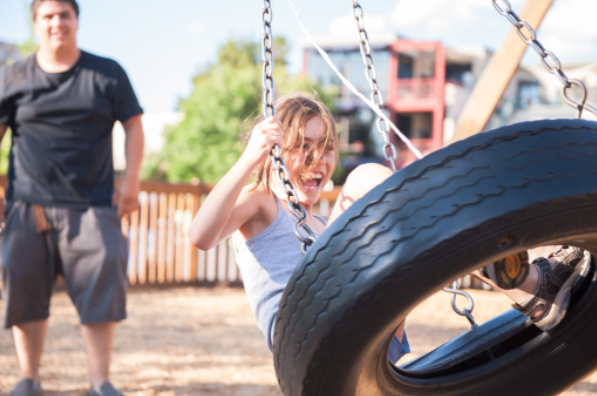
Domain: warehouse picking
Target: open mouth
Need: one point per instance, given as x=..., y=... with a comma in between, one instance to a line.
x=58, y=35
x=311, y=182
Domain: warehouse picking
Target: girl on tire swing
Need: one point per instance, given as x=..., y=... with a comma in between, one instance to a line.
x=268, y=251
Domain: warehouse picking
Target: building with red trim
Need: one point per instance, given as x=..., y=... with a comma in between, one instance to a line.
x=424, y=86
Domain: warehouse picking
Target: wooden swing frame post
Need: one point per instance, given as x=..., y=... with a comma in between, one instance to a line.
x=497, y=75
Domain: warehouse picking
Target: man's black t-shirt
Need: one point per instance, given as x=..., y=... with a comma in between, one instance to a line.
x=62, y=125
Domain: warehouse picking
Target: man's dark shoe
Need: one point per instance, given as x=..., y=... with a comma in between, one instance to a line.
x=106, y=390
x=510, y=272
x=26, y=387
x=554, y=286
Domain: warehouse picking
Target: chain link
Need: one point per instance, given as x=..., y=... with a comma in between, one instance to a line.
x=388, y=148
x=292, y=198
x=555, y=67
x=268, y=61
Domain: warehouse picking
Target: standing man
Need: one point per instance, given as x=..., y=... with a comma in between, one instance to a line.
x=62, y=214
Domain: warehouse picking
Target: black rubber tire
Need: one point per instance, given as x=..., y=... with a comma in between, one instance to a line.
x=436, y=220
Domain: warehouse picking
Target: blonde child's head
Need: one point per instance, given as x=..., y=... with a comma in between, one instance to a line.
x=294, y=111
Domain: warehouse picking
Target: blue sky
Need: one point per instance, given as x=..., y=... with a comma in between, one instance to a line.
x=163, y=43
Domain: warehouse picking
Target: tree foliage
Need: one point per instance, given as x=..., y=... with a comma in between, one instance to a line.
x=26, y=48
x=30, y=44
x=226, y=94
x=4, y=152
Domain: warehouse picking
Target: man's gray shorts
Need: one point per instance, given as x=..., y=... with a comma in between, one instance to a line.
x=86, y=246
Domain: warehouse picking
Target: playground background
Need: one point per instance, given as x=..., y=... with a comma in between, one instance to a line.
x=202, y=341
x=190, y=330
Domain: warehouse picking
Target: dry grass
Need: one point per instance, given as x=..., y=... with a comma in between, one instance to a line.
x=191, y=341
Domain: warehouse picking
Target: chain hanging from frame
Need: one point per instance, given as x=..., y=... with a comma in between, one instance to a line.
x=292, y=198
x=371, y=75
x=555, y=67
x=383, y=128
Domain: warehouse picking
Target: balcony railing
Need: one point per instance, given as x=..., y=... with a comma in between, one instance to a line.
x=415, y=88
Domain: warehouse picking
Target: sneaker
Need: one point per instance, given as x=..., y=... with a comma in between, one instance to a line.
x=106, y=390
x=26, y=387
x=554, y=287
x=510, y=272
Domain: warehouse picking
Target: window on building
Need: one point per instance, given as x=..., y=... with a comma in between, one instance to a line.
x=415, y=125
x=425, y=64
x=458, y=73
x=404, y=123
x=405, y=66
x=529, y=94
x=350, y=64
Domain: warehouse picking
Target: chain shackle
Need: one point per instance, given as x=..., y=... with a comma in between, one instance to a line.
x=388, y=149
x=583, y=102
x=466, y=312
x=269, y=109
x=555, y=67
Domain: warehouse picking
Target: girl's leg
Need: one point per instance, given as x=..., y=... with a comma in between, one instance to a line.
x=544, y=295
x=520, y=294
x=365, y=177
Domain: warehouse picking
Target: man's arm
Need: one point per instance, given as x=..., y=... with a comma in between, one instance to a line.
x=3, y=129
x=126, y=196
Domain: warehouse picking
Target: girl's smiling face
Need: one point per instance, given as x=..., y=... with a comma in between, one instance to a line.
x=309, y=149
x=311, y=166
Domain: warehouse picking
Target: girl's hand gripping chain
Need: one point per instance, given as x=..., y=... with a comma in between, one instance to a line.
x=265, y=134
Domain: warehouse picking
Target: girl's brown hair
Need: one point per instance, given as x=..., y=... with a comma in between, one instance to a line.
x=293, y=111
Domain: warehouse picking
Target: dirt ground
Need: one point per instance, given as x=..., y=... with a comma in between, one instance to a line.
x=193, y=341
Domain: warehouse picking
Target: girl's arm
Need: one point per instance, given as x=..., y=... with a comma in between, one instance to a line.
x=230, y=204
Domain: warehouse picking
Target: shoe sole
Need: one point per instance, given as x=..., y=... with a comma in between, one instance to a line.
x=562, y=301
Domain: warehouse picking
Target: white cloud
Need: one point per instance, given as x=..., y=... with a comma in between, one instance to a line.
x=438, y=15
x=195, y=28
x=568, y=28
x=346, y=24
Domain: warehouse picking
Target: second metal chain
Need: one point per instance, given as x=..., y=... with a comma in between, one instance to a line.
x=383, y=128
x=555, y=67
x=388, y=149
x=292, y=198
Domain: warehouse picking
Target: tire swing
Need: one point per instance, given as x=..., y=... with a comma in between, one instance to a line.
x=476, y=201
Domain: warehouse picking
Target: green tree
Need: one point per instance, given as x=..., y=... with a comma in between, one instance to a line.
x=29, y=45
x=25, y=48
x=205, y=144
x=4, y=152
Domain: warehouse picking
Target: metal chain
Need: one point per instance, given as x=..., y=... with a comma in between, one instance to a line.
x=556, y=68
x=268, y=61
x=530, y=39
x=371, y=75
x=292, y=198
x=383, y=128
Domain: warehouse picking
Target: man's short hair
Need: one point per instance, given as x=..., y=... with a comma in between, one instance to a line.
x=36, y=3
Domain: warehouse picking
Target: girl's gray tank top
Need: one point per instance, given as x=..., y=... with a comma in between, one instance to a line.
x=266, y=263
